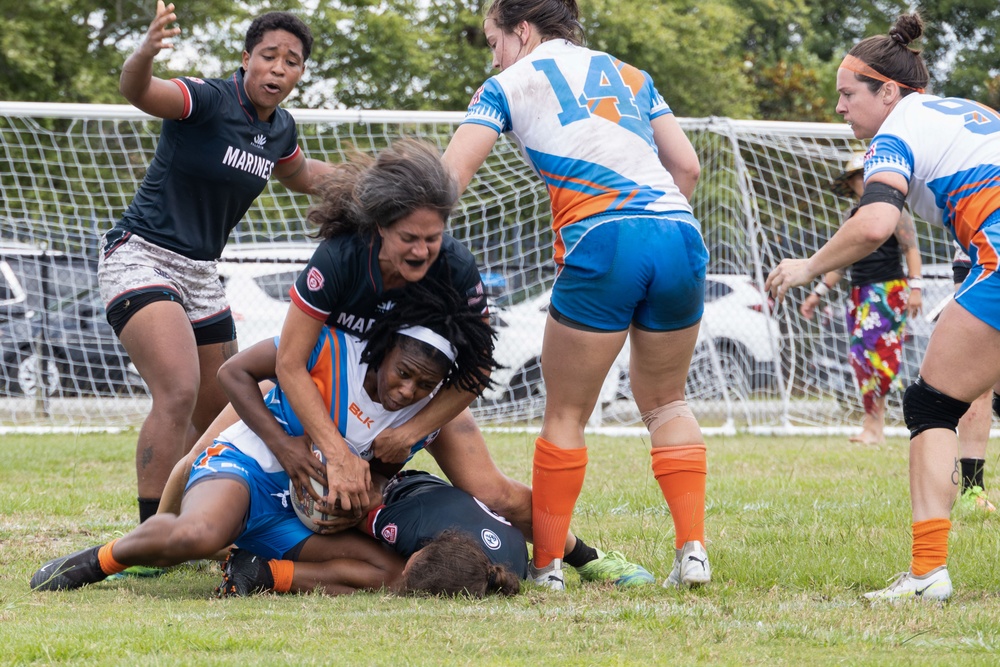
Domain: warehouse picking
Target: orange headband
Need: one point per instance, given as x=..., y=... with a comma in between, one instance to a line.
x=859, y=66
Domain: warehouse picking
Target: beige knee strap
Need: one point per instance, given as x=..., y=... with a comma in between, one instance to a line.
x=657, y=417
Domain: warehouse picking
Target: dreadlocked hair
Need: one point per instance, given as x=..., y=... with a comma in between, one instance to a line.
x=438, y=307
x=453, y=564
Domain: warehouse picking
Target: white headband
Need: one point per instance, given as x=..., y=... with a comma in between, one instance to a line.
x=432, y=338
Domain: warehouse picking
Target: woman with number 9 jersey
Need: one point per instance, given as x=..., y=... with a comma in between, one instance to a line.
x=630, y=257
x=942, y=156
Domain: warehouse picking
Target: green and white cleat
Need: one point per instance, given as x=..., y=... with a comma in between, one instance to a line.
x=613, y=566
x=975, y=498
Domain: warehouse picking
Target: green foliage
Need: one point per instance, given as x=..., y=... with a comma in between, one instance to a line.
x=963, y=34
x=771, y=59
x=682, y=46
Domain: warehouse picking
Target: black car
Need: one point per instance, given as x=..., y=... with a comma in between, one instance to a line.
x=57, y=336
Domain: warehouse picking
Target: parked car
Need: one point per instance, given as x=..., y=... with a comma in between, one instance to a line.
x=66, y=347
x=735, y=322
x=257, y=277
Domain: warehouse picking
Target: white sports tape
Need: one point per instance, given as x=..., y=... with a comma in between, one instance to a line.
x=657, y=417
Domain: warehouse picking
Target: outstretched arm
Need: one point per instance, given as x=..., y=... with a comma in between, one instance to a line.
x=348, y=476
x=303, y=174
x=858, y=237
x=137, y=84
x=240, y=377
x=466, y=152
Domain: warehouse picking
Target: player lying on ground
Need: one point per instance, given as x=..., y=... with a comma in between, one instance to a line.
x=238, y=492
x=454, y=544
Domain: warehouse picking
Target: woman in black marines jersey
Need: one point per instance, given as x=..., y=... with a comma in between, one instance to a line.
x=221, y=140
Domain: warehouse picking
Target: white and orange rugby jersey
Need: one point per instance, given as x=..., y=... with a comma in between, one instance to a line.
x=582, y=121
x=948, y=149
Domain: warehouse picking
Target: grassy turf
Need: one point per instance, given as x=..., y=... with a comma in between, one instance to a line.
x=798, y=529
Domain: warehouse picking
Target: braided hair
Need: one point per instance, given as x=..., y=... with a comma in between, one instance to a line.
x=438, y=307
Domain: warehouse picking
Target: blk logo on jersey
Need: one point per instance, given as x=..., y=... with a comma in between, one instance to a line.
x=314, y=280
x=259, y=141
x=356, y=411
x=389, y=533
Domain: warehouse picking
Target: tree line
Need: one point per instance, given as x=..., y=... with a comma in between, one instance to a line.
x=761, y=59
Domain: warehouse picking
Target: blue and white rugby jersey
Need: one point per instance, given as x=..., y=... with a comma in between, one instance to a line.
x=582, y=121
x=948, y=149
x=336, y=369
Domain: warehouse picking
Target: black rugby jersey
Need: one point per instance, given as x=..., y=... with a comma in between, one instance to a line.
x=421, y=506
x=342, y=284
x=208, y=168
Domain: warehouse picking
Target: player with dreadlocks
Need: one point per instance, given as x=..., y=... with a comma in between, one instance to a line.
x=238, y=493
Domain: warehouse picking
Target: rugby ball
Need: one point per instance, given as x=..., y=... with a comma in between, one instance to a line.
x=306, y=508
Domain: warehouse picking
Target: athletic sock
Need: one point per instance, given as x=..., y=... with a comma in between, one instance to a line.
x=972, y=473
x=581, y=554
x=107, y=562
x=282, y=571
x=556, y=480
x=681, y=472
x=930, y=545
x=147, y=508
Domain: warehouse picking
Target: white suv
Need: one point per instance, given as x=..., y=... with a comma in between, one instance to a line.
x=736, y=321
x=257, y=277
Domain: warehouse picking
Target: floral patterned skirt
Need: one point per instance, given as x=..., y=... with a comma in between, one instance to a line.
x=876, y=322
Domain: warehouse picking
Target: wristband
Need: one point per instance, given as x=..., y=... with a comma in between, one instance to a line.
x=821, y=289
x=916, y=283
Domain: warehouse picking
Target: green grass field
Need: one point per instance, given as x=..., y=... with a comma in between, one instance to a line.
x=798, y=529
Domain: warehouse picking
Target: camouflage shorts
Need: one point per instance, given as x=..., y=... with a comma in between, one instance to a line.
x=130, y=265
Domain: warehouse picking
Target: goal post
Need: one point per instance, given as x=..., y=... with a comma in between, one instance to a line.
x=68, y=171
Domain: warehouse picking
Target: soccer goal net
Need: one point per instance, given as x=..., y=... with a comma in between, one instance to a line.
x=68, y=171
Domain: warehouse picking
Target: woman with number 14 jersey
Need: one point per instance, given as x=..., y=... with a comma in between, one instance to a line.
x=631, y=260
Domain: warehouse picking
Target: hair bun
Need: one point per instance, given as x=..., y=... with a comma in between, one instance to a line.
x=908, y=28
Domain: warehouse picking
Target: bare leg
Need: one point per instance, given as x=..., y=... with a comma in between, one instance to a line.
x=210, y=520
x=658, y=373
x=934, y=470
x=160, y=342
x=873, y=427
x=974, y=428
x=173, y=491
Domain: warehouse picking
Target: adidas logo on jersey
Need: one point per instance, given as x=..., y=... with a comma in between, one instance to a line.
x=259, y=141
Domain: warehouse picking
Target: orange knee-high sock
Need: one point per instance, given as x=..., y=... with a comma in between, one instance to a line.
x=282, y=571
x=681, y=472
x=930, y=545
x=108, y=563
x=556, y=480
